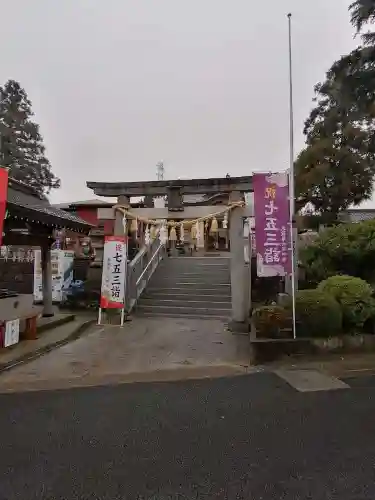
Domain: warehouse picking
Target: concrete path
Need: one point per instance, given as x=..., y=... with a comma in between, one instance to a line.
x=144, y=349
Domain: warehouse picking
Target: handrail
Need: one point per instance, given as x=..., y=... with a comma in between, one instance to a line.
x=150, y=262
x=140, y=270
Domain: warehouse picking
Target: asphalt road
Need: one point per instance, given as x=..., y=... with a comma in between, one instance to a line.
x=247, y=437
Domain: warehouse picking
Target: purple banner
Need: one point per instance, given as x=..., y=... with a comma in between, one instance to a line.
x=272, y=224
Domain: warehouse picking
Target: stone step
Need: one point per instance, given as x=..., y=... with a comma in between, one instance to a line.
x=190, y=316
x=189, y=285
x=165, y=283
x=183, y=295
x=188, y=290
x=204, y=260
x=200, y=267
x=192, y=304
x=183, y=311
x=194, y=270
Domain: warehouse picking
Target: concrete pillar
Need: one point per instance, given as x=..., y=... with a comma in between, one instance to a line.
x=47, y=280
x=238, y=274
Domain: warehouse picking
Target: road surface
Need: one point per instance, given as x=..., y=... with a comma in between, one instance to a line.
x=246, y=437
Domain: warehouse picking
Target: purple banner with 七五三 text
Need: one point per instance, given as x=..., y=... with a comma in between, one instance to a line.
x=272, y=224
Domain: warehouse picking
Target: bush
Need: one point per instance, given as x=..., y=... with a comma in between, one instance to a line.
x=318, y=314
x=354, y=296
x=345, y=249
x=269, y=320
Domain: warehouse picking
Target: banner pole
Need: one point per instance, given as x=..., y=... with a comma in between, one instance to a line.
x=293, y=237
x=125, y=227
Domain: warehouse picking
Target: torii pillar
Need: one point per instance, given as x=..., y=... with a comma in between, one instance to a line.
x=239, y=274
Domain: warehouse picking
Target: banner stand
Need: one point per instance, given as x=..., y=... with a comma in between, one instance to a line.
x=122, y=317
x=112, y=294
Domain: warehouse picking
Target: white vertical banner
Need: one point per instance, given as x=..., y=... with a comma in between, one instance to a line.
x=113, y=278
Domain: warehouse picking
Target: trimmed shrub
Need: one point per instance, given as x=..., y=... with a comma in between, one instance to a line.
x=354, y=296
x=318, y=314
x=269, y=320
x=345, y=249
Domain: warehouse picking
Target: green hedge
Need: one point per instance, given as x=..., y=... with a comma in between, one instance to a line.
x=354, y=296
x=318, y=314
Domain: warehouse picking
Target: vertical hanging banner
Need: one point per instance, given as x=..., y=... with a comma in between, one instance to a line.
x=272, y=224
x=113, y=278
x=3, y=199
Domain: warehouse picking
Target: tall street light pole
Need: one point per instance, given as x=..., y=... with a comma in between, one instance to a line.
x=293, y=228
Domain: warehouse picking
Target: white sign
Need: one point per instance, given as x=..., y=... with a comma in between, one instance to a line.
x=62, y=274
x=113, y=277
x=12, y=332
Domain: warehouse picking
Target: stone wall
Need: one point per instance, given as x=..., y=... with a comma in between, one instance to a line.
x=17, y=276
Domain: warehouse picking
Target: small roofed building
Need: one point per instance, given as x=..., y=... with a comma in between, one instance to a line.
x=32, y=222
x=357, y=214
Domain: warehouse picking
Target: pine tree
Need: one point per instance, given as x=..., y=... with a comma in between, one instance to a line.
x=21, y=145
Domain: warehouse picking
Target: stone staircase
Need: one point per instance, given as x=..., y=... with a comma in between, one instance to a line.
x=195, y=287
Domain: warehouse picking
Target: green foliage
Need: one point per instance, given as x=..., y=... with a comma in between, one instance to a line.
x=318, y=314
x=269, y=320
x=354, y=296
x=337, y=167
x=345, y=249
x=363, y=12
x=22, y=149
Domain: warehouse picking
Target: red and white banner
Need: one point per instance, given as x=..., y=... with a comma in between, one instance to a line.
x=3, y=199
x=114, y=273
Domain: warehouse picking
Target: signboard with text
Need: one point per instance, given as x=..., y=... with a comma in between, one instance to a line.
x=272, y=224
x=113, y=278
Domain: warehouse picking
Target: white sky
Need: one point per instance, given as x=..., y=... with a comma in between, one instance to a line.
x=203, y=85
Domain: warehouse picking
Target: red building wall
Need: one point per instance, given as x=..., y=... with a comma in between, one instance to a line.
x=90, y=214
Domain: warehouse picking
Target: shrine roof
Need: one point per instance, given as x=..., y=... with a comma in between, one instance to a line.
x=25, y=203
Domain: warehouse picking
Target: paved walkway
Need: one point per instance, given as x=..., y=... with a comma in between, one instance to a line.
x=144, y=349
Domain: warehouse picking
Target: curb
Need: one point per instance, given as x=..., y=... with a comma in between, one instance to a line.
x=59, y=322
x=26, y=358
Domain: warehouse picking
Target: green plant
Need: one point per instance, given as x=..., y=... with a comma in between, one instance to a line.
x=345, y=249
x=318, y=314
x=269, y=320
x=354, y=296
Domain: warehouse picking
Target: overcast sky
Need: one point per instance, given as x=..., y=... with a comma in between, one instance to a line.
x=117, y=85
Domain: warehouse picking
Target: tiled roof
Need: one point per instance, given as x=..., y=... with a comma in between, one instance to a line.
x=23, y=199
x=358, y=215
x=94, y=203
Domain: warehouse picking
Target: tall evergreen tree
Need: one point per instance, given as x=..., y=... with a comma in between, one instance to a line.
x=337, y=167
x=362, y=13
x=21, y=146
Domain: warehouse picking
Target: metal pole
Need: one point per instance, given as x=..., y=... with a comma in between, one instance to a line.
x=291, y=119
x=293, y=236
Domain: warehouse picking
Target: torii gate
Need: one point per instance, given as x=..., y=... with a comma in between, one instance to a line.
x=174, y=190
